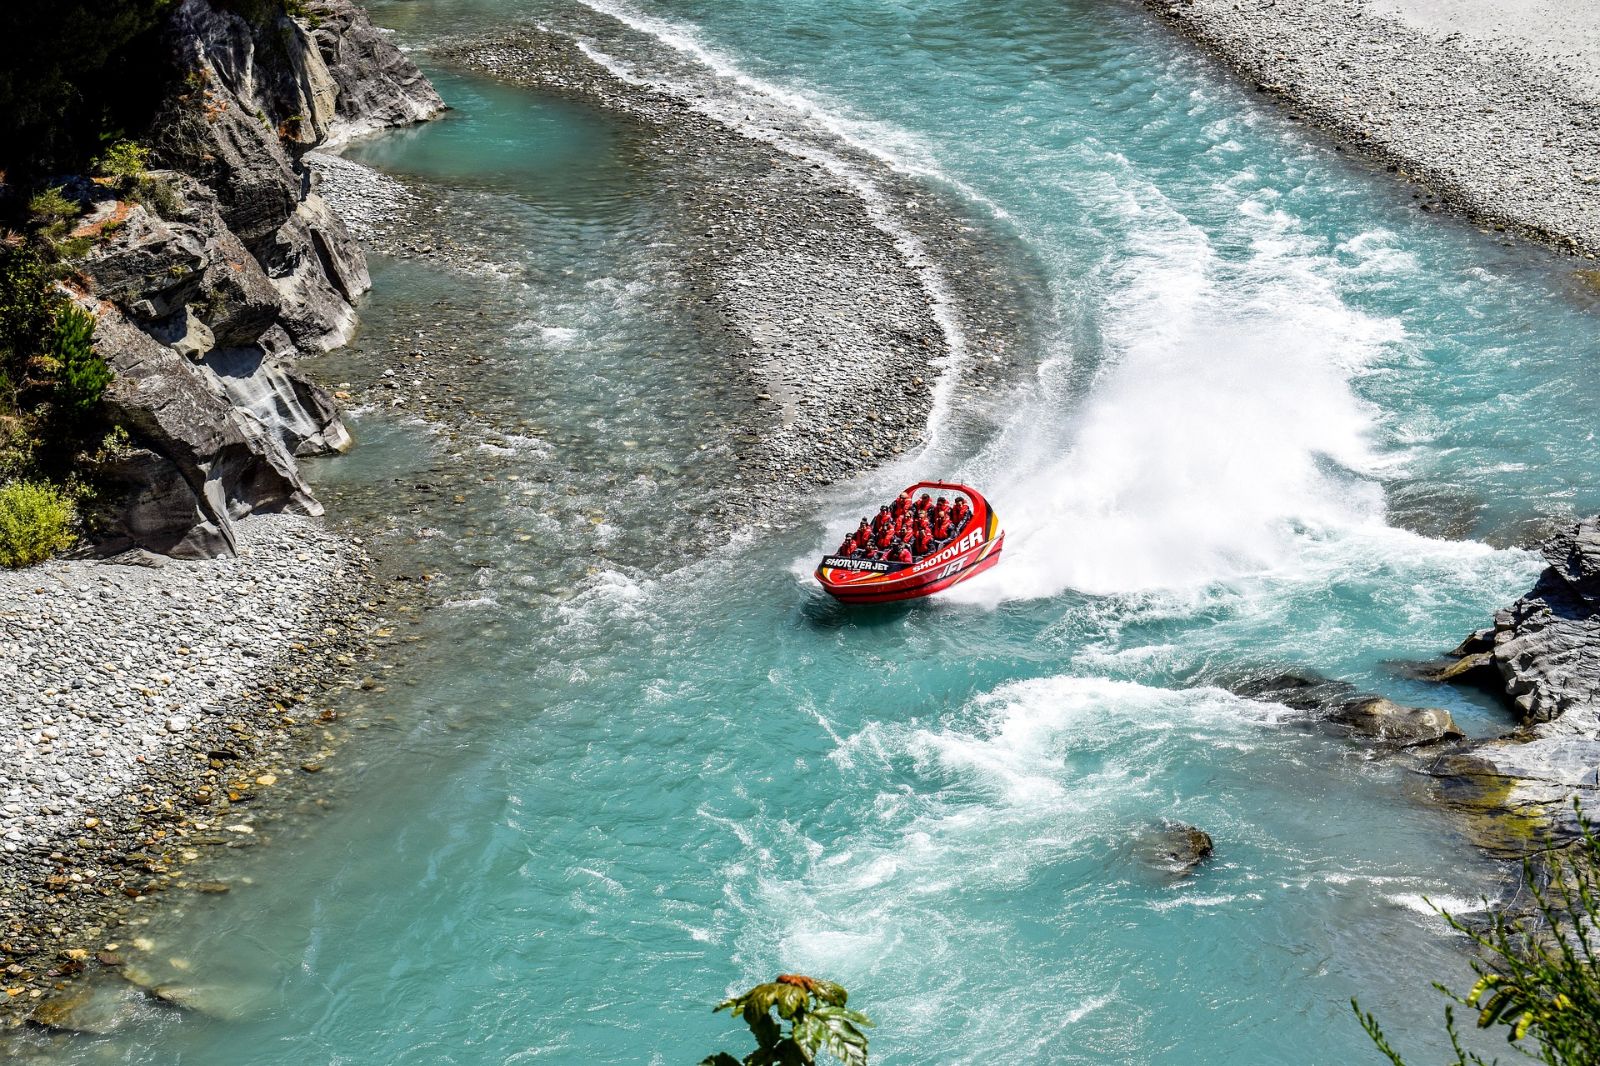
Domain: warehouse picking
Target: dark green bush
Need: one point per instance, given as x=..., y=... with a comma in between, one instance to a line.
x=81, y=375
x=27, y=311
x=35, y=523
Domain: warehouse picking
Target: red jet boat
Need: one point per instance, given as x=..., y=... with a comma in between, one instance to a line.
x=970, y=550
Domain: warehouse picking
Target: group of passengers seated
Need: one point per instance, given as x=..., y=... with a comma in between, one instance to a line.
x=908, y=529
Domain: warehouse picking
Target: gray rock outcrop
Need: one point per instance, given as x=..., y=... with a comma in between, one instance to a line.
x=377, y=85
x=1543, y=656
x=229, y=266
x=1546, y=646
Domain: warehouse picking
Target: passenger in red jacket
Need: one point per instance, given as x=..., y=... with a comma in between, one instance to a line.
x=960, y=512
x=902, y=504
x=849, y=546
x=903, y=555
x=863, y=532
x=885, y=537
x=924, y=502
x=942, y=529
x=924, y=542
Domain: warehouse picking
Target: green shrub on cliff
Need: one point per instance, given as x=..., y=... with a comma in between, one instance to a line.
x=51, y=378
x=1538, y=975
x=124, y=160
x=818, y=1021
x=81, y=375
x=27, y=309
x=35, y=523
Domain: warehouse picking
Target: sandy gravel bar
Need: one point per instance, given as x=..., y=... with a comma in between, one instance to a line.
x=846, y=292
x=1493, y=109
x=140, y=698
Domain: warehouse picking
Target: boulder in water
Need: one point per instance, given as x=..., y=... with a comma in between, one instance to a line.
x=1378, y=719
x=1350, y=712
x=1174, y=848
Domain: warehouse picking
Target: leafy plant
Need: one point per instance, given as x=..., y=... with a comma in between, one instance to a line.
x=1539, y=977
x=50, y=213
x=125, y=160
x=35, y=523
x=817, y=1018
x=157, y=195
x=81, y=375
x=27, y=308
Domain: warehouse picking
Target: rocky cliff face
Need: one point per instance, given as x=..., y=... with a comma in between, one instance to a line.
x=1543, y=656
x=208, y=291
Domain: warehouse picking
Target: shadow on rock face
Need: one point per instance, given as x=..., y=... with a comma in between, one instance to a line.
x=1173, y=849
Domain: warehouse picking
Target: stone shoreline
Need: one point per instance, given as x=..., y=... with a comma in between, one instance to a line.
x=152, y=702
x=1475, y=119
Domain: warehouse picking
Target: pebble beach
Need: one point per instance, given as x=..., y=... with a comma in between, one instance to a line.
x=1489, y=110
x=149, y=701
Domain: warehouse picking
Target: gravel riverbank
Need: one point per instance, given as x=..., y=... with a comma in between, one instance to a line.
x=811, y=260
x=149, y=702
x=1495, y=116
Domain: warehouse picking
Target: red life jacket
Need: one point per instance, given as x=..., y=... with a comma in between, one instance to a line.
x=886, y=536
x=941, y=529
x=904, y=556
x=924, y=542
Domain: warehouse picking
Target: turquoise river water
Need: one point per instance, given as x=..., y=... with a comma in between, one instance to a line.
x=1277, y=418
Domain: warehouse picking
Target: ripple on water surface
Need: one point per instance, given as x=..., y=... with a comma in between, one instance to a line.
x=606, y=792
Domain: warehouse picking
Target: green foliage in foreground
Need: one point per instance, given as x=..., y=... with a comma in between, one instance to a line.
x=1538, y=977
x=35, y=523
x=817, y=1017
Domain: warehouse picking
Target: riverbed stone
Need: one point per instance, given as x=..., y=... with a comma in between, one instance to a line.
x=1174, y=848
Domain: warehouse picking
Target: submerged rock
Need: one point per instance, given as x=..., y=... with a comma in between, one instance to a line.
x=1351, y=713
x=94, y=1007
x=1379, y=719
x=1175, y=848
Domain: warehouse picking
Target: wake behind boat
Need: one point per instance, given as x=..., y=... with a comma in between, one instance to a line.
x=934, y=535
